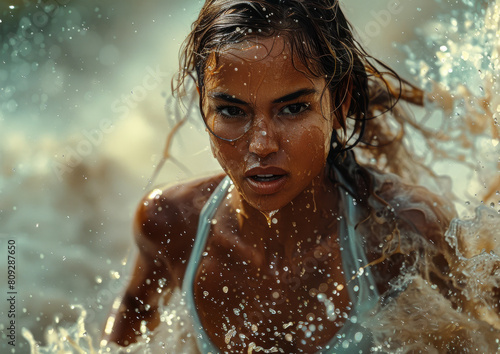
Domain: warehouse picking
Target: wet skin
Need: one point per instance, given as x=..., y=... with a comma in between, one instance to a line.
x=259, y=279
x=291, y=123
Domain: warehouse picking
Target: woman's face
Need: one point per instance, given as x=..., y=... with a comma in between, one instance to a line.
x=258, y=88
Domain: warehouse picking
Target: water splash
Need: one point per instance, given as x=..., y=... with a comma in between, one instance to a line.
x=64, y=340
x=464, y=85
x=173, y=335
x=463, y=104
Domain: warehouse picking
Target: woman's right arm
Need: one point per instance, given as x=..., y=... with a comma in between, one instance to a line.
x=151, y=277
x=165, y=228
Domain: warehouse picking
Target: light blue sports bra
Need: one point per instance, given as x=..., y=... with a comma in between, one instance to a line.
x=352, y=337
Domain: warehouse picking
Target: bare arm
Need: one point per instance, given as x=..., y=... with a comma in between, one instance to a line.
x=165, y=227
x=140, y=301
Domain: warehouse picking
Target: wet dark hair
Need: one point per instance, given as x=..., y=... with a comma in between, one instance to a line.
x=322, y=38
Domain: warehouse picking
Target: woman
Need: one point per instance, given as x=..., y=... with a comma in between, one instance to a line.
x=292, y=247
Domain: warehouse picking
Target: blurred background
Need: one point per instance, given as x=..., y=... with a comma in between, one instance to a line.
x=83, y=121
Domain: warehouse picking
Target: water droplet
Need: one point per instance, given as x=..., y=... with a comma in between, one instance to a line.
x=360, y=272
x=162, y=282
x=358, y=336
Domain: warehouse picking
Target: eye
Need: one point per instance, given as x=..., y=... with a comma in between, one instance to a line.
x=230, y=111
x=295, y=108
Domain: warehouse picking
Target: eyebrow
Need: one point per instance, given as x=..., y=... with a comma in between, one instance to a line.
x=289, y=97
x=225, y=97
x=294, y=95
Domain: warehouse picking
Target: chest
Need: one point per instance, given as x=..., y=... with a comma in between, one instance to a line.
x=290, y=299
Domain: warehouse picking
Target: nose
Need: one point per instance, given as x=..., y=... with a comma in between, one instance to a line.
x=263, y=138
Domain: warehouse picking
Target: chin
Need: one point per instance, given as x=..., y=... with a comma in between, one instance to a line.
x=267, y=203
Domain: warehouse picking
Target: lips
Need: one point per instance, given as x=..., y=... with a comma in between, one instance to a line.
x=266, y=179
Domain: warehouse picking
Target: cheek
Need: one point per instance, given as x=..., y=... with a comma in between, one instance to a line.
x=225, y=153
x=316, y=139
x=311, y=147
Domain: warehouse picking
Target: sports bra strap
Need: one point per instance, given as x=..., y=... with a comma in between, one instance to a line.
x=205, y=345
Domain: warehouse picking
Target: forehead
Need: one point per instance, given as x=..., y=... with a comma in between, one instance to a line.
x=258, y=60
x=257, y=49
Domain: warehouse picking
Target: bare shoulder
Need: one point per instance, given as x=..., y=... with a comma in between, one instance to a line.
x=166, y=221
x=414, y=206
x=405, y=223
